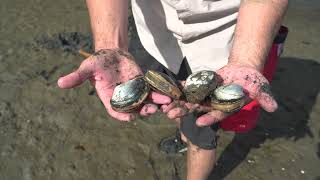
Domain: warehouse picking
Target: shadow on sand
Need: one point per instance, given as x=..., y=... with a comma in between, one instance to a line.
x=296, y=84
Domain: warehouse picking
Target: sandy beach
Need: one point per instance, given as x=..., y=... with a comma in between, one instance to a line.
x=49, y=133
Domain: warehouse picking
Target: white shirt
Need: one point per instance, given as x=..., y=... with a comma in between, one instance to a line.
x=200, y=30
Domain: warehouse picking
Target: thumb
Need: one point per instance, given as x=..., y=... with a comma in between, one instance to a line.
x=211, y=118
x=77, y=77
x=266, y=99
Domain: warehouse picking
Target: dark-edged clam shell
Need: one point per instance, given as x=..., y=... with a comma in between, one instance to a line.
x=163, y=83
x=228, y=98
x=128, y=96
x=199, y=85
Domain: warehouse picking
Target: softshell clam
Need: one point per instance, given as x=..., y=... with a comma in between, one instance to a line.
x=199, y=85
x=228, y=98
x=130, y=95
x=163, y=83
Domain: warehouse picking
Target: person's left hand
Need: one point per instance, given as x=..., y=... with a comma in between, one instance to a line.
x=255, y=85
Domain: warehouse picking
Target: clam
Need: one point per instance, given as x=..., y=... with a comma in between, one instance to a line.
x=163, y=83
x=128, y=96
x=199, y=85
x=228, y=98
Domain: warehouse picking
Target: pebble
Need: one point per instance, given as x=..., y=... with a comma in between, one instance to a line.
x=250, y=161
x=302, y=172
x=283, y=169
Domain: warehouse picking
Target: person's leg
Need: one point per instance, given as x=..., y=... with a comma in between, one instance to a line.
x=202, y=142
x=200, y=162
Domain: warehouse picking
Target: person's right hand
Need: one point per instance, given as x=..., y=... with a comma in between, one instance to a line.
x=105, y=69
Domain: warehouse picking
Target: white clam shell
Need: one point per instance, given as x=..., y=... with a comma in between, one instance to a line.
x=229, y=92
x=199, y=85
x=200, y=78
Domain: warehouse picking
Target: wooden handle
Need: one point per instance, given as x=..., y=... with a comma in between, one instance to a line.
x=84, y=53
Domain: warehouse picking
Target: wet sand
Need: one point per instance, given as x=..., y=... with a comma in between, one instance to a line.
x=48, y=133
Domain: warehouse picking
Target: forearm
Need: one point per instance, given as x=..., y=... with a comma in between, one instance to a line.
x=258, y=23
x=109, y=21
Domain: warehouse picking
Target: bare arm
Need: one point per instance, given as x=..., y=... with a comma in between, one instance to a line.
x=258, y=23
x=109, y=21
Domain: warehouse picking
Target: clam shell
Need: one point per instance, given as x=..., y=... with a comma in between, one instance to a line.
x=229, y=92
x=162, y=83
x=130, y=95
x=227, y=107
x=228, y=98
x=199, y=85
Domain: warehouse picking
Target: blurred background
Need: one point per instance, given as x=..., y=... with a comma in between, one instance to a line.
x=49, y=133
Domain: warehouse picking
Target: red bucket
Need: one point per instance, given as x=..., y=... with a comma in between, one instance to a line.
x=246, y=119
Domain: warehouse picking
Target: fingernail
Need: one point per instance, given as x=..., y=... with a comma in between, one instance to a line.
x=59, y=82
x=274, y=106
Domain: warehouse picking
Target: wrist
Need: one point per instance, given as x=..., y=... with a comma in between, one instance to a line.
x=100, y=44
x=257, y=65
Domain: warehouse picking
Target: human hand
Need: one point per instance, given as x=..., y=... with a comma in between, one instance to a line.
x=255, y=85
x=105, y=69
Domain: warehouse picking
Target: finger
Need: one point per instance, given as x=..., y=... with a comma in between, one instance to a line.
x=176, y=103
x=266, y=99
x=197, y=107
x=210, y=118
x=163, y=107
x=191, y=106
x=71, y=80
x=77, y=77
x=105, y=96
x=204, y=109
x=176, y=113
x=159, y=98
x=148, y=109
x=167, y=108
